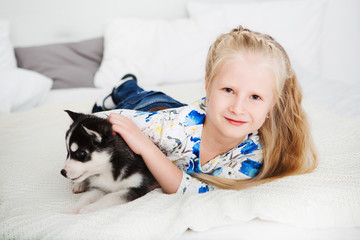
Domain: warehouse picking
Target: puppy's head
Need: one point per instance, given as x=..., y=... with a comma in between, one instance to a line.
x=88, y=143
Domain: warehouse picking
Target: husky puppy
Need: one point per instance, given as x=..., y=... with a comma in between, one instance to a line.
x=103, y=165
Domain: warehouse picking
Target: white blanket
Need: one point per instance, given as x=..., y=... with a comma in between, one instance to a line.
x=33, y=193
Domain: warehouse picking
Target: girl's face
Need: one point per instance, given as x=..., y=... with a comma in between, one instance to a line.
x=239, y=98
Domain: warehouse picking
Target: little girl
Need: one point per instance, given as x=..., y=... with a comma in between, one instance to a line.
x=250, y=128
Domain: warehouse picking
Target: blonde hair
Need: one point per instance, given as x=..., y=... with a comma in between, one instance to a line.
x=286, y=138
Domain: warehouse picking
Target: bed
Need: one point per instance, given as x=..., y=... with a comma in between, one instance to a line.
x=66, y=54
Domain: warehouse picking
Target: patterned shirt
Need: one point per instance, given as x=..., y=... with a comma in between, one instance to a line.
x=177, y=133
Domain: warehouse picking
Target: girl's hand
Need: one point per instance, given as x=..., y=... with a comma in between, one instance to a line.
x=128, y=130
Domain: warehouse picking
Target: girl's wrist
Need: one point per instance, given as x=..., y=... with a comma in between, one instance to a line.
x=147, y=147
x=165, y=172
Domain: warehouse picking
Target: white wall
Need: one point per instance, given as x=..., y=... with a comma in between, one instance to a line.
x=341, y=50
x=36, y=22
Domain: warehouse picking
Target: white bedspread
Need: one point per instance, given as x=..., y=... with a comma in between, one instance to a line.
x=33, y=193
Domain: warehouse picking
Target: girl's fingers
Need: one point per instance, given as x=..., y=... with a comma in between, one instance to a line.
x=129, y=131
x=117, y=119
x=116, y=129
x=113, y=117
x=121, y=124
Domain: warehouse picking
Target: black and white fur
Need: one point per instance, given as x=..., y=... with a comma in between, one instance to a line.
x=103, y=165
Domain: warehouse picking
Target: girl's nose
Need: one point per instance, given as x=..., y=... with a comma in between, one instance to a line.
x=238, y=106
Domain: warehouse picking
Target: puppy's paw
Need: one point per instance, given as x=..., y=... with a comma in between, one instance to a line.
x=80, y=187
x=70, y=211
x=89, y=208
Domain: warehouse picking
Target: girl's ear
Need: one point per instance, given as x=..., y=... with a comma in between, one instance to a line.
x=206, y=84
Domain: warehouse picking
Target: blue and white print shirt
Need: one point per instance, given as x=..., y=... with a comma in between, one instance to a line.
x=177, y=132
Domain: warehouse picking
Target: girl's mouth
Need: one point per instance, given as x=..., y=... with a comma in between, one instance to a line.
x=235, y=122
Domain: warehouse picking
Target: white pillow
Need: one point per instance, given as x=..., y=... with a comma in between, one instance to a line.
x=297, y=24
x=7, y=56
x=22, y=89
x=157, y=51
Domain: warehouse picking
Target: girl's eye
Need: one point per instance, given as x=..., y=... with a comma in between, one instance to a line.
x=255, y=97
x=228, y=90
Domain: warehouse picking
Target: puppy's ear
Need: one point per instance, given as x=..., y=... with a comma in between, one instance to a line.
x=74, y=116
x=93, y=134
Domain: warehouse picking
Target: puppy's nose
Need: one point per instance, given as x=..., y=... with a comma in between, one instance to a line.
x=63, y=172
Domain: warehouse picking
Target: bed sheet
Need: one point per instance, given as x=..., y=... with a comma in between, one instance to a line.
x=258, y=229
x=321, y=205
x=33, y=193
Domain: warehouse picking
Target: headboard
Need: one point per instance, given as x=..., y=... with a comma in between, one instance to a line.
x=38, y=22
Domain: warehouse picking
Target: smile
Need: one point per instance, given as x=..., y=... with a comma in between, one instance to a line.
x=235, y=122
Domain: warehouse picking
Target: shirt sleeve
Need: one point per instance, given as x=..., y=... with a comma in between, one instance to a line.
x=192, y=185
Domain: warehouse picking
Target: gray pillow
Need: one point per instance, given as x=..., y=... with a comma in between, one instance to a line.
x=69, y=65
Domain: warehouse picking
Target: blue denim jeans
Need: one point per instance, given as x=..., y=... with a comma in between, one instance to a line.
x=130, y=96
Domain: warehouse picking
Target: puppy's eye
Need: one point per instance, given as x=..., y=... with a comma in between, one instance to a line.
x=81, y=155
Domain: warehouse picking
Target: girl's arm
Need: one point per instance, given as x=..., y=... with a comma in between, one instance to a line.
x=165, y=172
